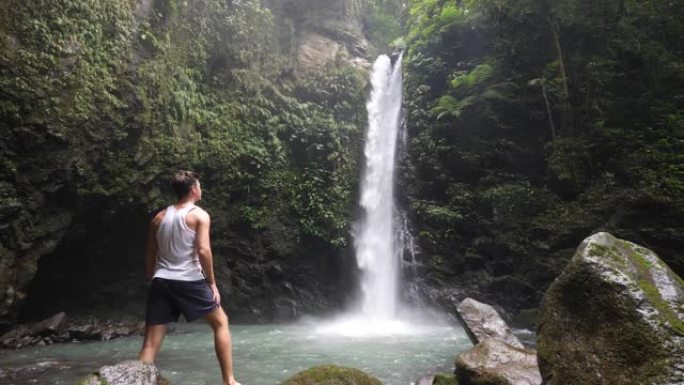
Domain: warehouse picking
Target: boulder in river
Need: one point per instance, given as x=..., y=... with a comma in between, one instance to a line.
x=482, y=322
x=332, y=375
x=495, y=362
x=126, y=373
x=614, y=316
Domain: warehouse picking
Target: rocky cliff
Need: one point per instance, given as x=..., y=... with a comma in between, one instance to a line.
x=100, y=101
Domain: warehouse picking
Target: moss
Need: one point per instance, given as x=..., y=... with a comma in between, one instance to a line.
x=88, y=380
x=97, y=98
x=637, y=255
x=605, y=251
x=332, y=375
x=585, y=316
x=645, y=283
x=444, y=379
x=662, y=306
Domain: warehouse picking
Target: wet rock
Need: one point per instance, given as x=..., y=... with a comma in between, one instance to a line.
x=425, y=380
x=437, y=379
x=444, y=379
x=495, y=362
x=50, y=325
x=614, y=316
x=30, y=371
x=126, y=373
x=482, y=322
x=56, y=329
x=332, y=375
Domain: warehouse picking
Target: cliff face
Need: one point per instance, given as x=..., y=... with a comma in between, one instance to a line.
x=324, y=29
x=100, y=101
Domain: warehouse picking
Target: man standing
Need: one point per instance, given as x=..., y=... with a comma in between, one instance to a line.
x=180, y=264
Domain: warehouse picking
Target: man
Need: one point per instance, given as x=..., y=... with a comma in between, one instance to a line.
x=180, y=263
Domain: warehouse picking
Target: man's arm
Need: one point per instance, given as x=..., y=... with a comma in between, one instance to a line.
x=204, y=251
x=151, y=247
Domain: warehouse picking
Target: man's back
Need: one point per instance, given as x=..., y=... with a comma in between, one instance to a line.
x=178, y=250
x=177, y=256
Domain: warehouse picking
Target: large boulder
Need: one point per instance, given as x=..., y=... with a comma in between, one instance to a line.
x=614, y=316
x=482, y=322
x=126, y=373
x=495, y=362
x=332, y=375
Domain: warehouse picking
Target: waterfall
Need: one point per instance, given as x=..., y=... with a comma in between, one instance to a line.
x=381, y=235
x=377, y=249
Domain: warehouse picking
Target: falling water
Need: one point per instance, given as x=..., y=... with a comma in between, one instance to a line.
x=376, y=248
x=381, y=232
x=377, y=241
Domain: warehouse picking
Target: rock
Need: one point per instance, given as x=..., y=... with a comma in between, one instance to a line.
x=483, y=321
x=614, y=316
x=495, y=362
x=126, y=373
x=38, y=333
x=444, y=379
x=83, y=332
x=30, y=371
x=56, y=329
x=425, y=380
x=315, y=51
x=50, y=325
x=332, y=375
x=360, y=63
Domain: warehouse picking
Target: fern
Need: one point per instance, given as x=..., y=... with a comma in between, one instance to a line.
x=478, y=75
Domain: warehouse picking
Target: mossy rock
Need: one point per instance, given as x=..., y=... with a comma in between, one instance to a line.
x=126, y=373
x=614, y=316
x=444, y=379
x=332, y=375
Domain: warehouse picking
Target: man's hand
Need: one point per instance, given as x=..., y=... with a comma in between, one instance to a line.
x=217, y=295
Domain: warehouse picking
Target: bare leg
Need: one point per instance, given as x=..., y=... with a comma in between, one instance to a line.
x=154, y=335
x=218, y=320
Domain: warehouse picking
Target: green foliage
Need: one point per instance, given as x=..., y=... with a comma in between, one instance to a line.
x=99, y=104
x=383, y=27
x=538, y=122
x=479, y=74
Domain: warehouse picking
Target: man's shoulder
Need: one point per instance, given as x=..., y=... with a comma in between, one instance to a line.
x=200, y=213
x=159, y=217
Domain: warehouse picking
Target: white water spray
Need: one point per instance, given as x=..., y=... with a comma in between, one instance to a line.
x=377, y=241
x=376, y=247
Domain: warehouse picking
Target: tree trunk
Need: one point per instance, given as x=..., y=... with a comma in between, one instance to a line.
x=552, y=126
x=566, y=107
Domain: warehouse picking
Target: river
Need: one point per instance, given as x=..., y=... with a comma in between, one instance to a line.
x=263, y=354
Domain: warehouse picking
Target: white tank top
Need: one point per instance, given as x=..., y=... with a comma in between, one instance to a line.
x=177, y=256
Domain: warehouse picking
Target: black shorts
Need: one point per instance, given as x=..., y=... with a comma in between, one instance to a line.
x=169, y=298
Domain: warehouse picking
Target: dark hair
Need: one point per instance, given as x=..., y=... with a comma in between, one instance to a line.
x=182, y=181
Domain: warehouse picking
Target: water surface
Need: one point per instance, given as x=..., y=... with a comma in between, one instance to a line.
x=263, y=354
